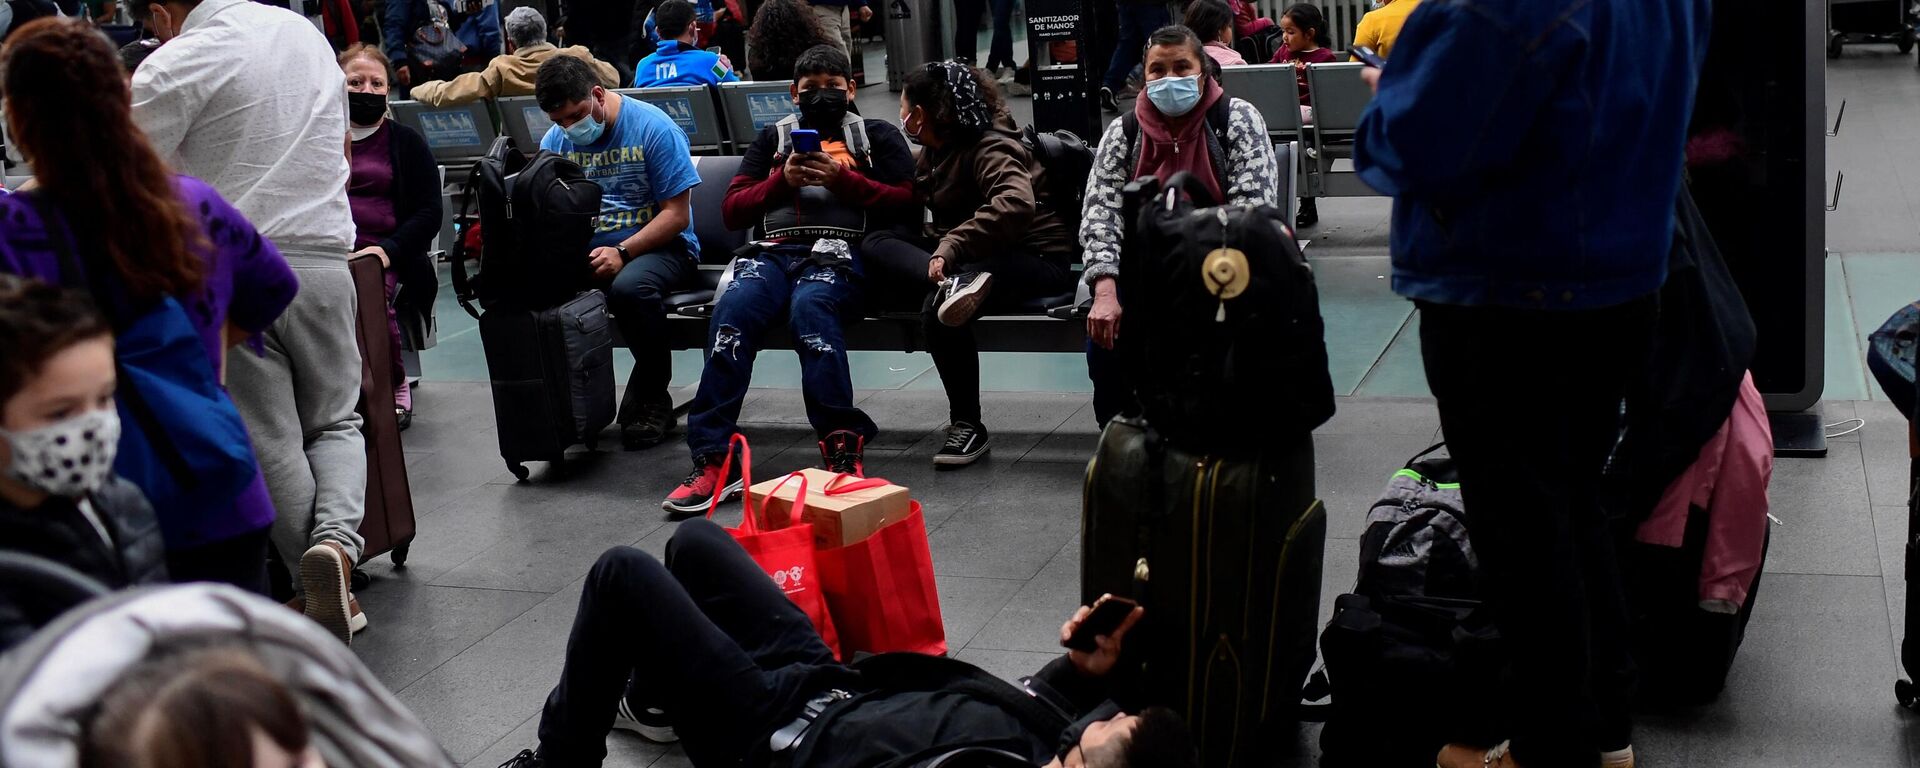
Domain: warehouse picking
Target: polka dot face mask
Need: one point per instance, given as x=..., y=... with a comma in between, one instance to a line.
x=70, y=458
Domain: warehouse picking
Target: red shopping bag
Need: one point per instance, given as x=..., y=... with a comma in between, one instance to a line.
x=782, y=548
x=881, y=588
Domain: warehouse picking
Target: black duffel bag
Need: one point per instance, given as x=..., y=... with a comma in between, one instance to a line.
x=1224, y=345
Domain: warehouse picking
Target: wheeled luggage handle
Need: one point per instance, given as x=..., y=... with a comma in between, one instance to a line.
x=1839, y=178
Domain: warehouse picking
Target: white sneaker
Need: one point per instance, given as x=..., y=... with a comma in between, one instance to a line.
x=650, y=724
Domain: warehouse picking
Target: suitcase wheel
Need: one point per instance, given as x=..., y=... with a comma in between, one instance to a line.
x=400, y=555
x=1904, y=693
x=519, y=470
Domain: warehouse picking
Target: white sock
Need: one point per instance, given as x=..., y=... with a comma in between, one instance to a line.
x=1623, y=755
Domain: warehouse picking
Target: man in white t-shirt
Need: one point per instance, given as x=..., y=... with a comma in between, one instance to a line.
x=248, y=97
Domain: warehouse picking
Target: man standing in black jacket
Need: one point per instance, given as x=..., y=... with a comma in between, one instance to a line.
x=741, y=678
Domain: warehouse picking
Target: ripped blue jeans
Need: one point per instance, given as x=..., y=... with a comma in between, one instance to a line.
x=813, y=299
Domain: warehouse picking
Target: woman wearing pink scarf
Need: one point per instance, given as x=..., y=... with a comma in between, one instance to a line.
x=1174, y=126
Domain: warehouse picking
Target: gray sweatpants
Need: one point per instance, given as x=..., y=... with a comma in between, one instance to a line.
x=298, y=401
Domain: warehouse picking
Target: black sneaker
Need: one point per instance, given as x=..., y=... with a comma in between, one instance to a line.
x=843, y=451
x=1107, y=101
x=656, y=420
x=526, y=759
x=650, y=723
x=694, y=495
x=962, y=296
x=966, y=443
x=1309, y=214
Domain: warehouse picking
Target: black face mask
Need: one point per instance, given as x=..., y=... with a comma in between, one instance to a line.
x=1070, y=737
x=822, y=109
x=365, y=109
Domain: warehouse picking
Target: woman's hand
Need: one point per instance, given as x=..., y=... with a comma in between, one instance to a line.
x=1103, y=321
x=374, y=250
x=936, y=269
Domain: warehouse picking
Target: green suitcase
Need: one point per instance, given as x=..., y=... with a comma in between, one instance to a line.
x=1225, y=554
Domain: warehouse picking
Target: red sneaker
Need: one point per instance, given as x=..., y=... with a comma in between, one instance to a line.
x=843, y=451
x=695, y=494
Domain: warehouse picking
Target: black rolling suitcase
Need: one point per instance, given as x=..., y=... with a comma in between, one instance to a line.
x=552, y=373
x=1226, y=556
x=549, y=346
x=1204, y=510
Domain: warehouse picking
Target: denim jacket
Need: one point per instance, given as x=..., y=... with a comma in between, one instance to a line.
x=1533, y=147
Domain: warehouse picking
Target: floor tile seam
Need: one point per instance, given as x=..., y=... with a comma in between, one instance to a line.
x=1374, y=368
x=503, y=737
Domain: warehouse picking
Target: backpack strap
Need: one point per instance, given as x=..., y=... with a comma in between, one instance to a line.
x=784, y=131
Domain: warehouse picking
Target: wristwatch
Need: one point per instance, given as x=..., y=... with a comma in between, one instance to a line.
x=622, y=248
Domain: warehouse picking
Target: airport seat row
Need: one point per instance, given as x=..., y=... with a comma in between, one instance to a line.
x=1340, y=96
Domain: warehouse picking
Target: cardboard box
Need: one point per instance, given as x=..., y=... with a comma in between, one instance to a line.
x=837, y=520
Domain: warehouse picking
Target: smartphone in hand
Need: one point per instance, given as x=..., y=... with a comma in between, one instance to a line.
x=805, y=140
x=1368, y=57
x=1105, y=618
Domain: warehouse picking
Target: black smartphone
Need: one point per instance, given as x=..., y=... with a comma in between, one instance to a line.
x=1368, y=57
x=806, y=140
x=1105, y=618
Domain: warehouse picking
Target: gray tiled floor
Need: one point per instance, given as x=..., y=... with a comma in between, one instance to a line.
x=471, y=633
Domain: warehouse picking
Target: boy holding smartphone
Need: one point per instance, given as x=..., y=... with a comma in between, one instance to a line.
x=811, y=187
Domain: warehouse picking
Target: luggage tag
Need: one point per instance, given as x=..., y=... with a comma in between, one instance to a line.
x=1224, y=271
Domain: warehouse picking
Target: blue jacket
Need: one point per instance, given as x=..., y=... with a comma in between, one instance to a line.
x=480, y=31
x=1533, y=148
x=672, y=65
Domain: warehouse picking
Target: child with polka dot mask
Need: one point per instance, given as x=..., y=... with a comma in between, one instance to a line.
x=59, y=498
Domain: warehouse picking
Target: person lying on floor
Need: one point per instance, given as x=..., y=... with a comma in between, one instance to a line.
x=705, y=649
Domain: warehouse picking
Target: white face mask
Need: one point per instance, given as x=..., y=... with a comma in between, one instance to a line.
x=68, y=458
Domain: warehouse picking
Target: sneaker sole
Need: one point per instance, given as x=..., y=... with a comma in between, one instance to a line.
x=323, y=580
x=357, y=623
x=959, y=459
x=960, y=307
x=731, y=492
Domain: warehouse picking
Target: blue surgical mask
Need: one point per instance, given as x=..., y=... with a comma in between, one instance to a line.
x=584, y=131
x=1175, y=96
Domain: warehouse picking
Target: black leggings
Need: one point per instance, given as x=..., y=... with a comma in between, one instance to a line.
x=896, y=266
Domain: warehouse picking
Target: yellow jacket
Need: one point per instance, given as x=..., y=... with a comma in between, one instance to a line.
x=508, y=75
x=1380, y=27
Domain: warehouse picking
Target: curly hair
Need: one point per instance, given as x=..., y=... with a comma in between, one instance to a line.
x=67, y=103
x=927, y=88
x=782, y=30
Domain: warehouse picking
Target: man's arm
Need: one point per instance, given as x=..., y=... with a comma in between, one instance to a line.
x=396, y=28
x=1462, y=91
x=165, y=110
x=462, y=89
x=757, y=186
x=888, y=185
x=675, y=213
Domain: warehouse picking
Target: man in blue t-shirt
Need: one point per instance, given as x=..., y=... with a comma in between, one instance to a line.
x=679, y=60
x=643, y=240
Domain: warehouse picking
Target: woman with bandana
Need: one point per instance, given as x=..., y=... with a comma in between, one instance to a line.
x=59, y=498
x=1185, y=123
x=995, y=242
x=395, y=195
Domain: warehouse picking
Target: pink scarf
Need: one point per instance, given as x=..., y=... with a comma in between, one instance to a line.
x=1172, y=144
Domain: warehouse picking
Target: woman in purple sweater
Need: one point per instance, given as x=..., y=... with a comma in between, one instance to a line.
x=395, y=195
x=167, y=236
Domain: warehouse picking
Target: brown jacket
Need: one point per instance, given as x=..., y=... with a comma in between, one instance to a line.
x=507, y=75
x=983, y=198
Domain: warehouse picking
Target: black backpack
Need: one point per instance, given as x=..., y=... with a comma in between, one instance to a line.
x=1225, y=347
x=1069, y=163
x=1411, y=645
x=536, y=218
